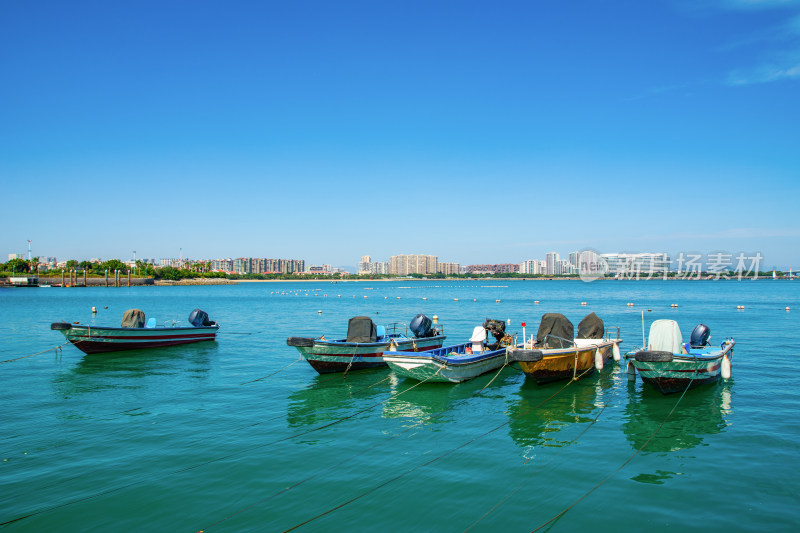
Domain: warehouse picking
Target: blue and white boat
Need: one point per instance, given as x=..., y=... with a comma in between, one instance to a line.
x=670, y=365
x=456, y=363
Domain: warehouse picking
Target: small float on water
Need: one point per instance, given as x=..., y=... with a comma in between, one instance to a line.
x=671, y=366
x=137, y=333
x=456, y=363
x=557, y=354
x=366, y=343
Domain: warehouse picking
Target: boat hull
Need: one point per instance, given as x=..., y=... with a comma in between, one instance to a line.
x=682, y=371
x=92, y=340
x=563, y=363
x=449, y=364
x=327, y=357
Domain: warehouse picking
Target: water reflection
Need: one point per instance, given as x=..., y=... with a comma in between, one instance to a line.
x=423, y=403
x=330, y=397
x=701, y=412
x=534, y=423
x=127, y=369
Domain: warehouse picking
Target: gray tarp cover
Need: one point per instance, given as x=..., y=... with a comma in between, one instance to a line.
x=361, y=329
x=591, y=327
x=133, y=318
x=558, y=325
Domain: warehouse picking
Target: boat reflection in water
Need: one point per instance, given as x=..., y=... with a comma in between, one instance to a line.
x=428, y=403
x=330, y=397
x=535, y=424
x=699, y=414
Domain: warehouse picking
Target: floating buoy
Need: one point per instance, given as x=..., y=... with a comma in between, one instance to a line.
x=455, y=299
x=739, y=307
x=319, y=312
x=435, y=319
x=598, y=359
x=106, y=307
x=726, y=368
x=630, y=304
x=631, y=370
x=788, y=309
x=508, y=321
x=398, y=297
x=94, y=309
x=474, y=299
x=536, y=301
x=615, y=352
x=673, y=305
x=497, y=301
x=424, y=298
x=583, y=303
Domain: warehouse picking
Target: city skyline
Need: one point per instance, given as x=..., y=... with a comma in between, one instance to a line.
x=472, y=131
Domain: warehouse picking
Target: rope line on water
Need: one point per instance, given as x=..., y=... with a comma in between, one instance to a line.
x=210, y=461
x=56, y=348
x=620, y=467
x=541, y=467
x=270, y=375
x=357, y=455
x=431, y=461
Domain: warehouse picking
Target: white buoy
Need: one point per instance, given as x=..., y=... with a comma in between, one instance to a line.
x=583, y=303
x=424, y=298
x=94, y=309
x=630, y=304
x=497, y=301
x=435, y=319
x=615, y=352
x=598, y=359
x=536, y=301
x=631, y=372
x=508, y=321
x=788, y=309
x=319, y=312
x=726, y=368
x=455, y=299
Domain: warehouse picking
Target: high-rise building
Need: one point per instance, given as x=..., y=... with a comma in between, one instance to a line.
x=551, y=260
x=403, y=265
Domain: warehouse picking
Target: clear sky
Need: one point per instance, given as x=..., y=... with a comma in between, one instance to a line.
x=480, y=132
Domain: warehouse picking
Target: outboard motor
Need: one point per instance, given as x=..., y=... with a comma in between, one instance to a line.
x=198, y=318
x=700, y=335
x=422, y=326
x=496, y=328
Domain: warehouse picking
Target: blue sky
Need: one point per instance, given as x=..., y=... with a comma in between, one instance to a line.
x=481, y=132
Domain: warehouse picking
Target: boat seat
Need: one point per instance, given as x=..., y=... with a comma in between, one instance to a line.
x=477, y=339
x=380, y=331
x=151, y=323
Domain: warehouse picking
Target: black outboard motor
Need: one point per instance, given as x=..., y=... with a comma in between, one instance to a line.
x=422, y=326
x=198, y=318
x=700, y=335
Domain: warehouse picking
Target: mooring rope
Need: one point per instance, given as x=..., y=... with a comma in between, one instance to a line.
x=620, y=467
x=519, y=486
x=56, y=348
x=270, y=375
x=210, y=461
x=431, y=461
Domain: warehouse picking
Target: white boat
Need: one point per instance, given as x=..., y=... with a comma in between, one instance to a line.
x=456, y=363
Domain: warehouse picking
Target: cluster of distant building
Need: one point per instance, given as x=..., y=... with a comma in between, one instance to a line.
x=551, y=265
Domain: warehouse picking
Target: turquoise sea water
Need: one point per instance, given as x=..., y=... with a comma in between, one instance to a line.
x=238, y=435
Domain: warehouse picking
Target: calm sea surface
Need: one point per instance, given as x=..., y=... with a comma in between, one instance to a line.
x=240, y=435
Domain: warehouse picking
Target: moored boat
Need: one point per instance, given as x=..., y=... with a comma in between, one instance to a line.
x=556, y=354
x=456, y=363
x=366, y=343
x=671, y=366
x=136, y=333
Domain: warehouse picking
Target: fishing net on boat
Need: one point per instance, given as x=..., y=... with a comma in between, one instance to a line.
x=558, y=329
x=591, y=327
x=133, y=318
x=361, y=329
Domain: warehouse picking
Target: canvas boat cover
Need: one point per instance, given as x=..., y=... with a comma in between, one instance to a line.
x=557, y=325
x=361, y=329
x=133, y=318
x=665, y=336
x=591, y=327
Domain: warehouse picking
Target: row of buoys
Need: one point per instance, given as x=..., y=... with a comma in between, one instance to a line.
x=630, y=304
x=673, y=305
x=739, y=307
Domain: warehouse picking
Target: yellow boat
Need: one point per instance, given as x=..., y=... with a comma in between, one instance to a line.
x=556, y=354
